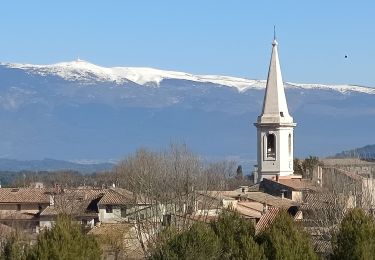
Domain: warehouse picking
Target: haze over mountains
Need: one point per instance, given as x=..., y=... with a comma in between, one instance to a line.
x=78, y=110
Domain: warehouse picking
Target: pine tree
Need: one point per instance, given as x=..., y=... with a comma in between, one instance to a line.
x=236, y=237
x=356, y=237
x=14, y=248
x=199, y=242
x=285, y=239
x=239, y=173
x=65, y=241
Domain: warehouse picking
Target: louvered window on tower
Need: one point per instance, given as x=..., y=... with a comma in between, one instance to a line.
x=271, y=146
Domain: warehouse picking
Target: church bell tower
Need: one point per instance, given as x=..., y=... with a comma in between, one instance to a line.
x=275, y=126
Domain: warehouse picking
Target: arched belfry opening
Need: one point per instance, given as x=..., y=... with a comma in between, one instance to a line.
x=271, y=146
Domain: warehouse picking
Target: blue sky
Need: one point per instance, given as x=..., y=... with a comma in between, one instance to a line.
x=203, y=37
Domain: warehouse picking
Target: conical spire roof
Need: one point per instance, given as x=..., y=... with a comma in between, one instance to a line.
x=275, y=108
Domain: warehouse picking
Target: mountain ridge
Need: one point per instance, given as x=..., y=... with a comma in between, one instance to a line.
x=48, y=164
x=87, y=72
x=366, y=153
x=48, y=116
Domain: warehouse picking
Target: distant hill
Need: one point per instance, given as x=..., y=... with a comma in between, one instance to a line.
x=52, y=165
x=78, y=110
x=365, y=153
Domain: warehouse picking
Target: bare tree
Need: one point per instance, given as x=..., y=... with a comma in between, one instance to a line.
x=167, y=187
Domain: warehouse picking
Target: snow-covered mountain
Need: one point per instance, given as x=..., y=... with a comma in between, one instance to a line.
x=78, y=110
x=85, y=72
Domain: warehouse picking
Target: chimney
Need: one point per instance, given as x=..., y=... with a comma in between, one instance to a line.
x=282, y=193
x=51, y=200
x=265, y=207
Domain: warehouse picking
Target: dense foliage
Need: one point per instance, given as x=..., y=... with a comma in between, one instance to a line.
x=65, y=241
x=236, y=236
x=286, y=239
x=14, y=248
x=232, y=237
x=199, y=242
x=355, y=238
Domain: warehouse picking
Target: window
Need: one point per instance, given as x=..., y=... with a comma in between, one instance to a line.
x=166, y=220
x=123, y=212
x=290, y=144
x=282, y=114
x=271, y=146
x=108, y=209
x=18, y=207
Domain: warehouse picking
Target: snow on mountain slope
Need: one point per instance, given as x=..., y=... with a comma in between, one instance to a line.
x=83, y=71
x=78, y=110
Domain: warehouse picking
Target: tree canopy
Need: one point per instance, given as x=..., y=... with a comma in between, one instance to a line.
x=230, y=237
x=65, y=240
x=236, y=236
x=285, y=239
x=355, y=238
x=199, y=242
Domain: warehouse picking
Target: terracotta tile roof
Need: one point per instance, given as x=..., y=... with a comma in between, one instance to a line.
x=268, y=199
x=266, y=220
x=298, y=184
x=23, y=195
x=84, y=202
x=257, y=196
x=321, y=245
x=75, y=202
x=219, y=195
x=318, y=200
x=258, y=206
x=113, y=197
x=246, y=210
x=74, y=207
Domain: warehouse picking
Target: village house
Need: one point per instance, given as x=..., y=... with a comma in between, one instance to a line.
x=34, y=208
x=294, y=189
x=91, y=206
x=20, y=207
x=248, y=201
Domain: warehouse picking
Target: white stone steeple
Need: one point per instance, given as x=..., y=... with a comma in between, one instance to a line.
x=275, y=108
x=275, y=126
